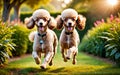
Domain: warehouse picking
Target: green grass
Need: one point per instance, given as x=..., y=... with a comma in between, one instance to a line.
x=85, y=65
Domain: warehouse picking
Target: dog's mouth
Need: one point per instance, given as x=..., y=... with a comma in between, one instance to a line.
x=69, y=28
x=41, y=28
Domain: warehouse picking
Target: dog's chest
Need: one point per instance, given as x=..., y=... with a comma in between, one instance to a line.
x=44, y=44
x=68, y=39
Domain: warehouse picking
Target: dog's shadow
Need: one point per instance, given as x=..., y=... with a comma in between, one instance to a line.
x=39, y=70
x=57, y=70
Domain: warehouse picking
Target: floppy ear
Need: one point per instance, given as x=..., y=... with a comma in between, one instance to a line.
x=81, y=22
x=29, y=22
x=59, y=22
x=52, y=23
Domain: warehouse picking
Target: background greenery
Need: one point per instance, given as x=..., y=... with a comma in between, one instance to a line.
x=103, y=40
x=6, y=42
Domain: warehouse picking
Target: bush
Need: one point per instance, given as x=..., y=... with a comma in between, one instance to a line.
x=113, y=42
x=6, y=44
x=104, y=39
x=20, y=37
x=92, y=43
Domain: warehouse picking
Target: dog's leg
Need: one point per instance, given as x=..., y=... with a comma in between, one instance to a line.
x=63, y=55
x=74, y=58
x=36, y=58
x=74, y=55
x=50, y=63
x=71, y=51
x=47, y=59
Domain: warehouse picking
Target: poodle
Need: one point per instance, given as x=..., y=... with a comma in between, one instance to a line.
x=69, y=38
x=45, y=40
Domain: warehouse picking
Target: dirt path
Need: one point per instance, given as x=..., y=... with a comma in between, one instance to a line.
x=19, y=57
x=102, y=59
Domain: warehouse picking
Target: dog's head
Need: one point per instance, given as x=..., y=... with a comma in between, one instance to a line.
x=42, y=19
x=69, y=18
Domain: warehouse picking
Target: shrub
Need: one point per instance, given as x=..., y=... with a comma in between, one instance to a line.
x=6, y=44
x=104, y=39
x=92, y=43
x=20, y=37
x=112, y=46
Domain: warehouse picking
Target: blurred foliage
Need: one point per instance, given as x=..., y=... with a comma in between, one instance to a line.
x=103, y=40
x=6, y=43
x=20, y=37
x=36, y=3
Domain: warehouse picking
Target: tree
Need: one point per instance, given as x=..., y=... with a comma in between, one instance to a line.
x=8, y=4
x=31, y=3
x=17, y=9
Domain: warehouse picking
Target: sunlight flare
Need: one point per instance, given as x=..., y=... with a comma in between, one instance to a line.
x=112, y=2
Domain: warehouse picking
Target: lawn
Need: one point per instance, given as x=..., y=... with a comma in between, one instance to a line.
x=85, y=65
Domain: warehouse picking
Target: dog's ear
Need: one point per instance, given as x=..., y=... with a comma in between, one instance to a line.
x=29, y=22
x=59, y=22
x=81, y=22
x=52, y=23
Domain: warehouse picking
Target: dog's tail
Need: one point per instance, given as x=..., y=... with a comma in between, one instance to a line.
x=32, y=36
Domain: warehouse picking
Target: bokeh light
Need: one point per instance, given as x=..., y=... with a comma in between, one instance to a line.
x=112, y=2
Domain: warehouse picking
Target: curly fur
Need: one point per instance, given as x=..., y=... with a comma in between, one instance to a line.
x=69, y=38
x=30, y=22
x=80, y=20
x=44, y=23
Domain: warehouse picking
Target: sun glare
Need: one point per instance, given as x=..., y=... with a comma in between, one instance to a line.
x=112, y=2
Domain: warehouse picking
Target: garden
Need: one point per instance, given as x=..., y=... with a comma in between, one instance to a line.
x=98, y=51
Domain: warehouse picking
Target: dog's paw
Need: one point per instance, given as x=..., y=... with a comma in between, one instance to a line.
x=43, y=66
x=68, y=58
x=51, y=63
x=74, y=61
x=65, y=60
x=37, y=61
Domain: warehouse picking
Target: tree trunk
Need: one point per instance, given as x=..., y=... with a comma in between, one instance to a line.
x=6, y=11
x=7, y=5
x=17, y=13
x=17, y=10
x=5, y=16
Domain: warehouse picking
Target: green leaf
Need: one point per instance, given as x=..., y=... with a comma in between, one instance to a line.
x=117, y=55
x=108, y=33
x=113, y=52
x=11, y=46
x=107, y=54
x=110, y=47
x=105, y=37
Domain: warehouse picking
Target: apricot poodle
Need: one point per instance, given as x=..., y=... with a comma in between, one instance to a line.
x=44, y=39
x=69, y=38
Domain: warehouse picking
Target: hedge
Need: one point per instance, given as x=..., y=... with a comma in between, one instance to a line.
x=6, y=43
x=20, y=37
x=104, y=39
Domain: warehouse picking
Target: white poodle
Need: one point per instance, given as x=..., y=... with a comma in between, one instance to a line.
x=45, y=40
x=69, y=38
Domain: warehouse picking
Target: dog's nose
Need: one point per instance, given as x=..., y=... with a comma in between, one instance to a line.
x=41, y=24
x=69, y=24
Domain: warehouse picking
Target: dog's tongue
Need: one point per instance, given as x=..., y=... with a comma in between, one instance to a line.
x=69, y=28
x=41, y=28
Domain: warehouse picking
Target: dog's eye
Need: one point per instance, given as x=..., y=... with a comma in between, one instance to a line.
x=66, y=19
x=73, y=19
x=36, y=19
x=45, y=19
